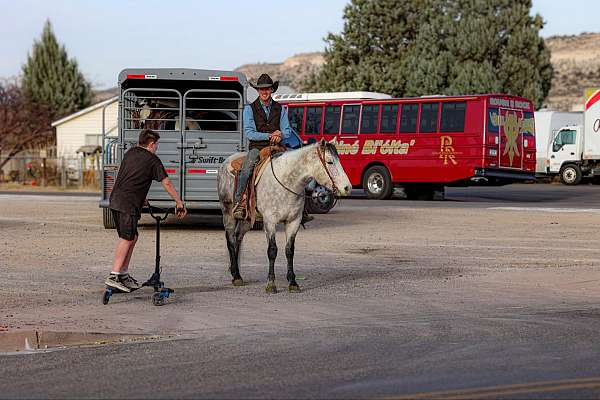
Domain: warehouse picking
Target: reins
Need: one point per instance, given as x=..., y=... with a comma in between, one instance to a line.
x=323, y=163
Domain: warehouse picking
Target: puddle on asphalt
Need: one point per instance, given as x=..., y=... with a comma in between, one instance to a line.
x=38, y=341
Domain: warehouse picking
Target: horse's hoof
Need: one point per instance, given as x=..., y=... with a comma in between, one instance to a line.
x=294, y=288
x=271, y=288
x=238, y=282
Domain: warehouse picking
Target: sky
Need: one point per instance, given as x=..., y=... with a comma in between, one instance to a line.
x=106, y=36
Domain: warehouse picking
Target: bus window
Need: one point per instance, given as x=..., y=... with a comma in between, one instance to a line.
x=368, y=120
x=313, y=120
x=408, y=117
x=429, y=117
x=295, y=115
x=350, y=119
x=493, y=121
x=453, y=117
x=332, y=120
x=389, y=118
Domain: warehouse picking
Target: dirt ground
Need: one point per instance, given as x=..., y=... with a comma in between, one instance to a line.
x=362, y=260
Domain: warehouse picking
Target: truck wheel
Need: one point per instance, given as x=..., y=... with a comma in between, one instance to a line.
x=107, y=219
x=320, y=201
x=377, y=183
x=570, y=174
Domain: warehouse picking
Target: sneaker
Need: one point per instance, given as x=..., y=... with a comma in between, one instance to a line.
x=116, y=281
x=130, y=282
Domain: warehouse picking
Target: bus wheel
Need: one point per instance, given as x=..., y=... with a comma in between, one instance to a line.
x=107, y=219
x=377, y=183
x=570, y=174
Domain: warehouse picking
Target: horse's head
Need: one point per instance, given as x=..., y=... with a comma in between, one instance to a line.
x=331, y=174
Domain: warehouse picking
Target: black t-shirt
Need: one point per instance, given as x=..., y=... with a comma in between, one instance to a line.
x=138, y=169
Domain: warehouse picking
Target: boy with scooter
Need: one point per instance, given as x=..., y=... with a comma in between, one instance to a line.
x=140, y=166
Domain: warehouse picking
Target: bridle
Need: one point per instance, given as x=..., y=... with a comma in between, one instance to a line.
x=321, y=155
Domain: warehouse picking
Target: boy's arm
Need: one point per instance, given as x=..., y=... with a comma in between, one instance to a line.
x=180, y=207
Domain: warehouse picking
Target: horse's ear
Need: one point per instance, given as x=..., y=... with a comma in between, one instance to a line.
x=322, y=142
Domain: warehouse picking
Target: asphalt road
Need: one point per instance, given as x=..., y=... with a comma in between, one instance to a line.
x=445, y=308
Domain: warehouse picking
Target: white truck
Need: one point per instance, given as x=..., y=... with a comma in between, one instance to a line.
x=568, y=144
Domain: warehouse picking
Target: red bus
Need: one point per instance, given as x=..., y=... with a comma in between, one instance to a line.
x=421, y=144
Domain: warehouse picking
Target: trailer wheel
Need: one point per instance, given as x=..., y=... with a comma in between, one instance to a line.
x=419, y=192
x=570, y=174
x=377, y=183
x=107, y=219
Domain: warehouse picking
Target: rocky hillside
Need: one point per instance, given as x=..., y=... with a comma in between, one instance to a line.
x=292, y=72
x=576, y=61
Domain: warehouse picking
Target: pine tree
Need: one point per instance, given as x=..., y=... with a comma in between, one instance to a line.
x=51, y=78
x=413, y=48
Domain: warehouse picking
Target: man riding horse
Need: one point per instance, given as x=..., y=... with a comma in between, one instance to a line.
x=265, y=123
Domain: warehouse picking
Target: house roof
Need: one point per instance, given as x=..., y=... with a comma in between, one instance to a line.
x=85, y=111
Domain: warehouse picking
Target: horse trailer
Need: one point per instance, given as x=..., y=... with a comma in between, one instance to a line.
x=198, y=114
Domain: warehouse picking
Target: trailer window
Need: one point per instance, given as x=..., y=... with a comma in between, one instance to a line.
x=295, y=115
x=368, y=121
x=313, y=120
x=389, y=118
x=453, y=117
x=332, y=120
x=408, y=117
x=350, y=119
x=429, y=117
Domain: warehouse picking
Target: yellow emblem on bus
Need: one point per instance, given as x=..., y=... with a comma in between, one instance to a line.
x=447, y=152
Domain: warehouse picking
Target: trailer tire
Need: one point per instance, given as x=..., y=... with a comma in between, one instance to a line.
x=419, y=192
x=107, y=219
x=570, y=174
x=377, y=183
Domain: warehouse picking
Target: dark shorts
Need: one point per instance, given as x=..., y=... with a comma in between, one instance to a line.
x=126, y=224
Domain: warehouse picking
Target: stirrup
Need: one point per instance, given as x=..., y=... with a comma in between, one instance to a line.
x=239, y=212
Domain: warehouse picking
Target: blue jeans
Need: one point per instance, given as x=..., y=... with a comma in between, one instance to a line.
x=246, y=172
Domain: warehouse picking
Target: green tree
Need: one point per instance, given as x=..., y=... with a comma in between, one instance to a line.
x=51, y=78
x=413, y=48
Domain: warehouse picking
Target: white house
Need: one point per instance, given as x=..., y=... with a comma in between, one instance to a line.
x=84, y=128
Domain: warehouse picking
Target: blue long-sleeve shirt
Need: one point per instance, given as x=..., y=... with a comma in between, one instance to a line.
x=288, y=138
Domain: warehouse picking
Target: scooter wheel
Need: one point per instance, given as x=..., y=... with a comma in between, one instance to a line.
x=106, y=297
x=158, y=299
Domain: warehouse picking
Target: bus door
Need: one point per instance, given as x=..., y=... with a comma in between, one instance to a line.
x=511, y=138
x=212, y=131
x=159, y=110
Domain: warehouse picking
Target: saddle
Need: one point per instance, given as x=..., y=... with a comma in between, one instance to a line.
x=248, y=198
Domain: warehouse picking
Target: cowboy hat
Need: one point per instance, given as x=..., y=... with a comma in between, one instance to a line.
x=265, y=81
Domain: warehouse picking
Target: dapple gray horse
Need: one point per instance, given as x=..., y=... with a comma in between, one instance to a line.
x=280, y=198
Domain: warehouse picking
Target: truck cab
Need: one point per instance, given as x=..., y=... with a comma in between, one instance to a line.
x=567, y=149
